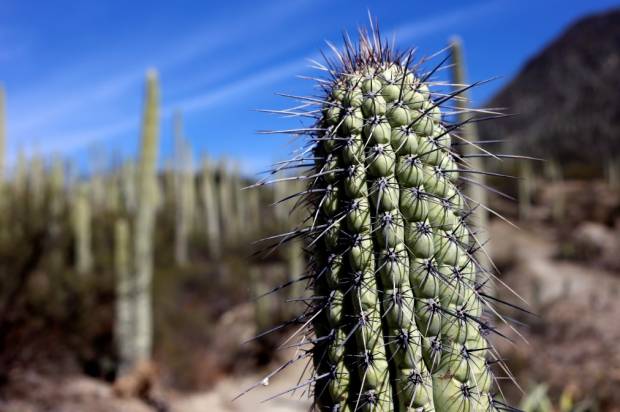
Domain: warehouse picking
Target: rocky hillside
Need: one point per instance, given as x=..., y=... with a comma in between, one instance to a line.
x=567, y=98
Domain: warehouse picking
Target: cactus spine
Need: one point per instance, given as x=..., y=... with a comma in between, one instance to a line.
x=396, y=314
x=144, y=222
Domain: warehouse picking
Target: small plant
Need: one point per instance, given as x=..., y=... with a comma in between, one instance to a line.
x=399, y=316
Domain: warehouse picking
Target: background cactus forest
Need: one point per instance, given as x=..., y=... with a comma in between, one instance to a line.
x=136, y=281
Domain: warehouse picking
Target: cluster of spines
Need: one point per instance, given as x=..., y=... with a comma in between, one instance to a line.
x=398, y=311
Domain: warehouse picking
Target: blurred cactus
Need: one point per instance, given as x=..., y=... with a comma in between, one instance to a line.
x=184, y=192
x=146, y=203
x=553, y=173
x=128, y=186
x=296, y=266
x=97, y=185
x=537, y=400
x=225, y=202
x=57, y=207
x=210, y=207
x=20, y=175
x=124, y=324
x=474, y=187
x=263, y=305
x=57, y=188
x=280, y=192
x=2, y=133
x=239, y=205
x=112, y=193
x=254, y=211
x=36, y=182
x=613, y=172
x=526, y=178
x=81, y=217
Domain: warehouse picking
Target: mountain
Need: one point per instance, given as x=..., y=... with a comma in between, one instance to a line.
x=566, y=99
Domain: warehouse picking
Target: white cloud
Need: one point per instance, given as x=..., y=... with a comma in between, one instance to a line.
x=47, y=107
x=61, y=142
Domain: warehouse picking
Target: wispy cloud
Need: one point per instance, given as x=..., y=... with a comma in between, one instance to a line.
x=233, y=88
x=238, y=87
x=447, y=20
x=49, y=106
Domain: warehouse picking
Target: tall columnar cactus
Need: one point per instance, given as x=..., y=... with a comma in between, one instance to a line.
x=254, y=211
x=81, y=219
x=225, y=198
x=97, y=179
x=128, y=186
x=36, y=182
x=475, y=187
x=612, y=172
x=210, y=207
x=2, y=132
x=526, y=175
x=396, y=320
x=57, y=188
x=280, y=191
x=125, y=316
x=144, y=222
x=239, y=203
x=185, y=193
x=20, y=174
x=57, y=206
x=553, y=173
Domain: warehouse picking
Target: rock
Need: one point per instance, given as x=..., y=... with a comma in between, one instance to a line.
x=596, y=243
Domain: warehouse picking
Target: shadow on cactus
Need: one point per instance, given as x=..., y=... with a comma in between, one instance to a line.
x=398, y=305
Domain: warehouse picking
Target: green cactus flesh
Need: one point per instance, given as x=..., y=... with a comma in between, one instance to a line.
x=396, y=318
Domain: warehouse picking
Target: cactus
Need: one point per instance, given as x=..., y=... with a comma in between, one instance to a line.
x=396, y=319
x=56, y=204
x=263, y=308
x=254, y=211
x=537, y=400
x=553, y=173
x=57, y=188
x=20, y=174
x=210, y=209
x=475, y=187
x=225, y=206
x=239, y=203
x=2, y=133
x=526, y=178
x=97, y=185
x=184, y=193
x=280, y=191
x=612, y=173
x=128, y=186
x=124, y=323
x=36, y=183
x=295, y=268
x=146, y=203
x=82, y=230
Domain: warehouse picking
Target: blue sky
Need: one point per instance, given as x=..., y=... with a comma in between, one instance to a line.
x=74, y=70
